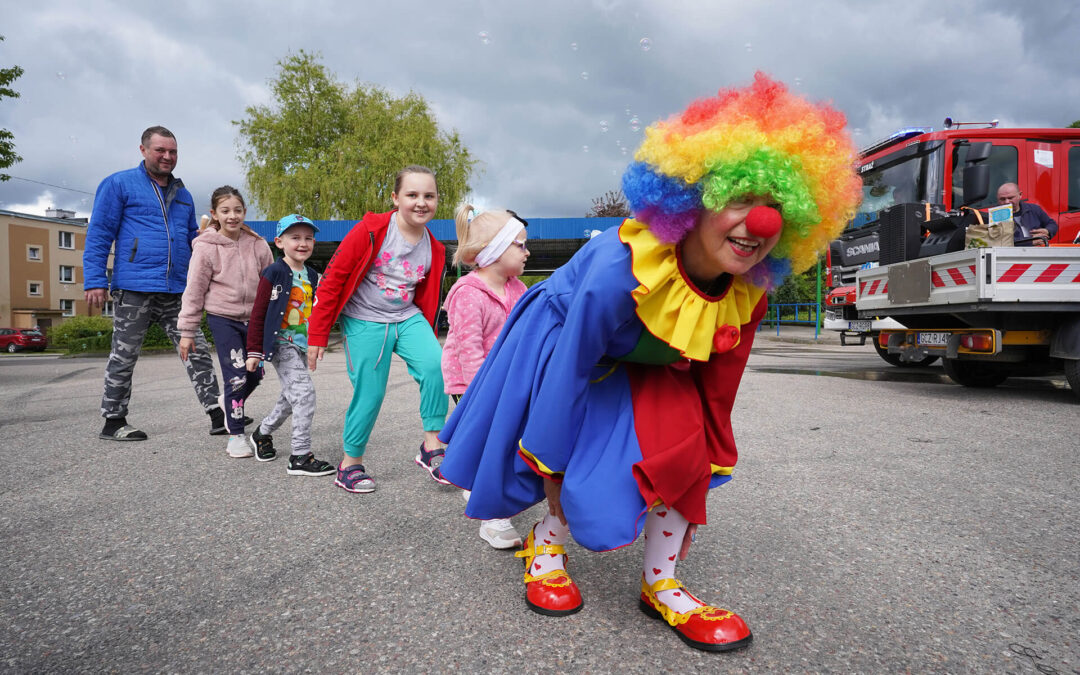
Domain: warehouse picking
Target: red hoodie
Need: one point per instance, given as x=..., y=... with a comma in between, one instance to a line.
x=350, y=264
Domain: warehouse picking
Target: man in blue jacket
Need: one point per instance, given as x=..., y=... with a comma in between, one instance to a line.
x=149, y=216
x=1029, y=219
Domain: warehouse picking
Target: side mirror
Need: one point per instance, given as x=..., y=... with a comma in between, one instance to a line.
x=976, y=183
x=977, y=152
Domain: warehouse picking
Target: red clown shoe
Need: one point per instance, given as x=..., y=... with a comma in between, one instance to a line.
x=709, y=628
x=553, y=593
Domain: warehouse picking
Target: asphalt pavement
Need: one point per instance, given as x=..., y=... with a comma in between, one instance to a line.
x=875, y=524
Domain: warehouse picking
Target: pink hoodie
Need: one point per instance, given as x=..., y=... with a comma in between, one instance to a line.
x=222, y=277
x=476, y=316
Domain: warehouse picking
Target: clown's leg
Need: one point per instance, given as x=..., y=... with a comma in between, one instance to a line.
x=548, y=588
x=699, y=625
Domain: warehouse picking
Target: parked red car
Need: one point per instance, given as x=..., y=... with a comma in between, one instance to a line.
x=17, y=339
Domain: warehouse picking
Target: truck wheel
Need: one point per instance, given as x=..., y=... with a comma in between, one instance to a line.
x=974, y=373
x=895, y=360
x=1072, y=374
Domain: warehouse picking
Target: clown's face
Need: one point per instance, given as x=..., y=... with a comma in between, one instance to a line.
x=722, y=243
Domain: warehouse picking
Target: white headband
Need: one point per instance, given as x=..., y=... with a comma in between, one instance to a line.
x=499, y=243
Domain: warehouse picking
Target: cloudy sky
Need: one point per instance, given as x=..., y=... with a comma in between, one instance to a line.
x=529, y=86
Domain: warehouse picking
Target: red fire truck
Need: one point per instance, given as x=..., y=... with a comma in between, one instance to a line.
x=921, y=165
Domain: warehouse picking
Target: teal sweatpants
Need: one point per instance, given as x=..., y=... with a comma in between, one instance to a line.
x=368, y=348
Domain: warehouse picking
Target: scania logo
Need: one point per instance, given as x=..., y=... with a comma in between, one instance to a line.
x=862, y=249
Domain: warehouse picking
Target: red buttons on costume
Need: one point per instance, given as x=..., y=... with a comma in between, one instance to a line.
x=764, y=221
x=725, y=338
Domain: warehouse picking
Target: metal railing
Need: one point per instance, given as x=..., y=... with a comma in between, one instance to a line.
x=793, y=314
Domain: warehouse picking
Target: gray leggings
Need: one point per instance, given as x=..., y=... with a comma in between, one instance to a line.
x=297, y=398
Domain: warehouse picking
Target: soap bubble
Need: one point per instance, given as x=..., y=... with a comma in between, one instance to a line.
x=573, y=46
x=628, y=112
x=584, y=148
x=60, y=75
x=603, y=127
x=798, y=81
x=634, y=123
x=584, y=75
x=485, y=38
x=73, y=139
x=623, y=150
x=749, y=47
x=645, y=44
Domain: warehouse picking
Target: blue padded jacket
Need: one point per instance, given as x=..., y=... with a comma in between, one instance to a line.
x=152, y=227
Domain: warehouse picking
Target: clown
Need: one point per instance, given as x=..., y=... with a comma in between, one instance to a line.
x=610, y=389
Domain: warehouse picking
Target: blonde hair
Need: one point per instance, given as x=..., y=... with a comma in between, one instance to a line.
x=474, y=235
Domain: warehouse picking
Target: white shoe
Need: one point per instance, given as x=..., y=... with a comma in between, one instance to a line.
x=465, y=495
x=238, y=447
x=500, y=533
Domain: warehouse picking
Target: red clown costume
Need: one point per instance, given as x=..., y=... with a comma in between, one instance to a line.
x=610, y=389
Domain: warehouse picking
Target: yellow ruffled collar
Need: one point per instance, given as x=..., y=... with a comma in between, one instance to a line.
x=673, y=310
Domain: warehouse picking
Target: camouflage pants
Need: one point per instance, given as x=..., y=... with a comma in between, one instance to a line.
x=133, y=312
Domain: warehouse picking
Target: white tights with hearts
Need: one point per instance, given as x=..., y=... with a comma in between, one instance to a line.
x=549, y=532
x=664, y=531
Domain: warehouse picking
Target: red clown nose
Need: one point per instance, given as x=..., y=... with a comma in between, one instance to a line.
x=764, y=221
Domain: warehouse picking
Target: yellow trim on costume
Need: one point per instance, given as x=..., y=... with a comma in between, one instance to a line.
x=539, y=465
x=707, y=612
x=530, y=550
x=721, y=470
x=673, y=311
x=605, y=375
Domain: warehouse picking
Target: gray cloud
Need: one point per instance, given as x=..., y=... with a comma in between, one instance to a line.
x=98, y=73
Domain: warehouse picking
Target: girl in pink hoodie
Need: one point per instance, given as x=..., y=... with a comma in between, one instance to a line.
x=226, y=259
x=493, y=243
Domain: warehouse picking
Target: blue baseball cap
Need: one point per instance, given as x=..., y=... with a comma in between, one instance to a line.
x=293, y=219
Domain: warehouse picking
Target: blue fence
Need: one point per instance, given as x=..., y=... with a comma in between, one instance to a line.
x=793, y=314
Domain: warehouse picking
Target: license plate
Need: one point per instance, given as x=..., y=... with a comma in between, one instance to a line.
x=859, y=326
x=932, y=338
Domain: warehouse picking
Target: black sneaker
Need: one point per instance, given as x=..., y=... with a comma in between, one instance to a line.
x=119, y=430
x=217, y=422
x=263, y=445
x=307, y=465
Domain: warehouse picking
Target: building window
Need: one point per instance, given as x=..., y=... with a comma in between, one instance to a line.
x=33, y=289
x=67, y=307
x=107, y=310
x=33, y=253
x=67, y=240
x=67, y=274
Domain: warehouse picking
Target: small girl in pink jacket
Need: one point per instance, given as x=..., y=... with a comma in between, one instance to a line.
x=493, y=243
x=226, y=259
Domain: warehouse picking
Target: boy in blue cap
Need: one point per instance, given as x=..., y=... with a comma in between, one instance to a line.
x=277, y=333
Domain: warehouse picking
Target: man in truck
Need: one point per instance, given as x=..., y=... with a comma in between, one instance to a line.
x=1029, y=219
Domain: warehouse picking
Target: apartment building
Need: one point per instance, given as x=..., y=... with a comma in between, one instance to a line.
x=43, y=283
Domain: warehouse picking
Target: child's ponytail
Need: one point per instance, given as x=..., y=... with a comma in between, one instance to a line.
x=461, y=226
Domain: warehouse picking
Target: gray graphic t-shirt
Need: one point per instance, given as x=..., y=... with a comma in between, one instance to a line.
x=387, y=292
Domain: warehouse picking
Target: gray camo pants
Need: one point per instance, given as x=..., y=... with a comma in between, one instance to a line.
x=133, y=312
x=297, y=398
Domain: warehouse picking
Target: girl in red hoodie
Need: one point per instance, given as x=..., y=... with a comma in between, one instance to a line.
x=226, y=259
x=383, y=281
x=477, y=306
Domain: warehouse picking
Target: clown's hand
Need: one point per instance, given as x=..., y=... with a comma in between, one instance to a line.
x=687, y=539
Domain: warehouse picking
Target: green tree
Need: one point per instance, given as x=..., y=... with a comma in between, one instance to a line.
x=611, y=205
x=1074, y=125
x=8, y=155
x=330, y=150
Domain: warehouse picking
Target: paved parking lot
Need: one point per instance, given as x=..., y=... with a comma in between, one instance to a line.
x=878, y=522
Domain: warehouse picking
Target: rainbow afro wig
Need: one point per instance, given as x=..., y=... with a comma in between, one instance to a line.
x=758, y=140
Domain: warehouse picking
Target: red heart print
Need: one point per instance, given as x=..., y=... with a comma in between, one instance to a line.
x=677, y=594
x=554, y=554
x=666, y=533
x=547, y=541
x=671, y=557
x=550, y=533
x=537, y=566
x=656, y=571
x=661, y=513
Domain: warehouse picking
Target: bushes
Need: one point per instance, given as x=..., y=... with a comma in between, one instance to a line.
x=81, y=334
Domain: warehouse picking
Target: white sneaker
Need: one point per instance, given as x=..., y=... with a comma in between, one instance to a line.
x=238, y=447
x=500, y=533
x=465, y=494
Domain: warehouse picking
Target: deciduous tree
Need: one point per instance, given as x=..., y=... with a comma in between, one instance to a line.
x=611, y=205
x=8, y=156
x=330, y=150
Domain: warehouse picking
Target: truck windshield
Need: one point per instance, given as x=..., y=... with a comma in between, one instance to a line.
x=912, y=174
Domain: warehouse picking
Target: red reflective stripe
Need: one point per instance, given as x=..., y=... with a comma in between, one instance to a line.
x=935, y=278
x=873, y=286
x=957, y=276
x=862, y=288
x=1077, y=279
x=1014, y=272
x=885, y=288
x=1052, y=272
